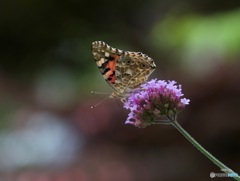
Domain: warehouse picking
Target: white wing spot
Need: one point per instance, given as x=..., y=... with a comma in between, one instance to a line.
x=100, y=62
x=107, y=54
x=129, y=71
x=117, y=81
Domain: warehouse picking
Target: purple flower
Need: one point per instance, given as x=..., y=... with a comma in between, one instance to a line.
x=156, y=101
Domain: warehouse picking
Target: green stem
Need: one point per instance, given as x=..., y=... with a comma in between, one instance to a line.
x=223, y=167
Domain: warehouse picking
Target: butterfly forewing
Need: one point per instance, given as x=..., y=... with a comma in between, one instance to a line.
x=106, y=59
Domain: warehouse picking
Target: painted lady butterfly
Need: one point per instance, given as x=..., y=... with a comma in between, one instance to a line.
x=123, y=70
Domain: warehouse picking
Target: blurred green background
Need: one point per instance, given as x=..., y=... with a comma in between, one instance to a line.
x=48, y=131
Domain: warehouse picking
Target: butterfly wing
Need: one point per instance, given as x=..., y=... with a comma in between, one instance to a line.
x=123, y=71
x=106, y=58
x=132, y=69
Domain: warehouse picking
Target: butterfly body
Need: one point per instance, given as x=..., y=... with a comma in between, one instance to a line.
x=124, y=71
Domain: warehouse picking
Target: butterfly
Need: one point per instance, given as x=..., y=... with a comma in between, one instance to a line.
x=124, y=71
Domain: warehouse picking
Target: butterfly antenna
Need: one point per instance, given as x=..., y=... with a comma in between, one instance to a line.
x=99, y=102
x=104, y=93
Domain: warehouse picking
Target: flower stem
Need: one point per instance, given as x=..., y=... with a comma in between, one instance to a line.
x=223, y=167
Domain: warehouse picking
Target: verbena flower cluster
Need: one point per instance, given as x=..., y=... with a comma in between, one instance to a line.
x=154, y=101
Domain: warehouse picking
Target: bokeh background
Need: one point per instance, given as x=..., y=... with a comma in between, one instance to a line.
x=48, y=131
